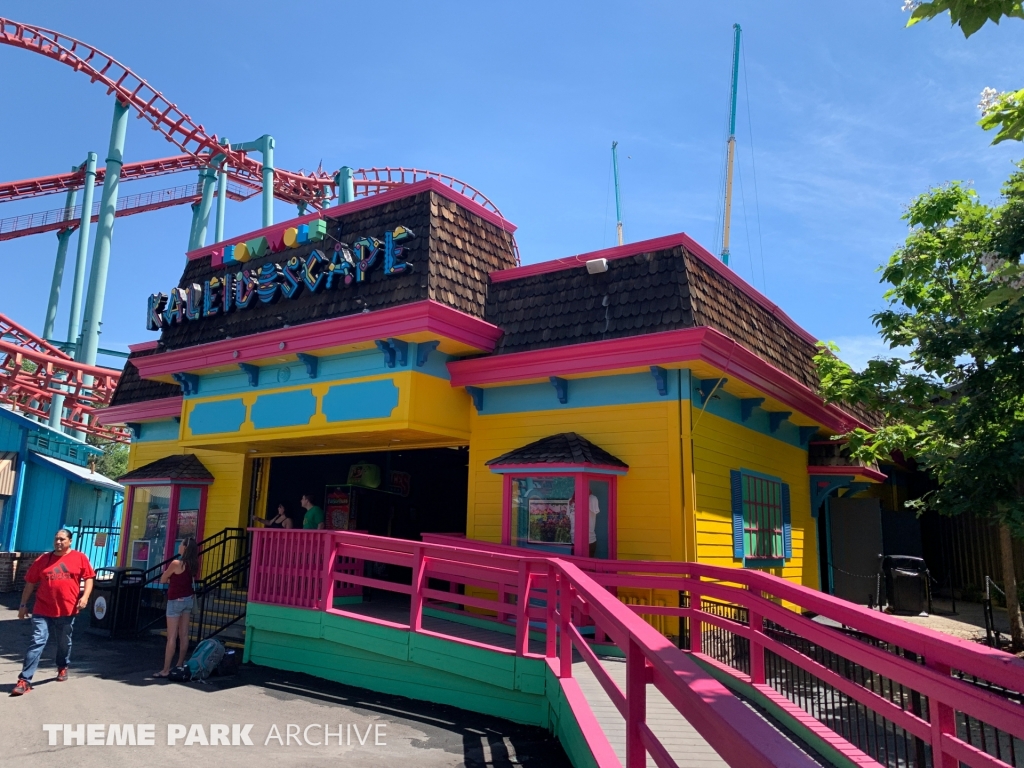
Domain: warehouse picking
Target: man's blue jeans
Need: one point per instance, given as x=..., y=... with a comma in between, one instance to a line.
x=42, y=628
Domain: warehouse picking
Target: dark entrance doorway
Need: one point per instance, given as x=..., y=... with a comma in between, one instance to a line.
x=851, y=556
x=387, y=493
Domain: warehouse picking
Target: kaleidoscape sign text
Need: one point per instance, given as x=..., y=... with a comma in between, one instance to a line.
x=266, y=284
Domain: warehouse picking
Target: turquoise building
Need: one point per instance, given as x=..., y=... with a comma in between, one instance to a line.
x=47, y=481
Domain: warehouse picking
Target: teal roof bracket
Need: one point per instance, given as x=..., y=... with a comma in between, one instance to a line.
x=401, y=351
x=660, y=379
x=806, y=433
x=822, y=487
x=252, y=372
x=423, y=350
x=388, y=350
x=561, y=389
x=775, y=419
x=478, y=397
x=747, y=406
x=312, y=363
x=189, y=383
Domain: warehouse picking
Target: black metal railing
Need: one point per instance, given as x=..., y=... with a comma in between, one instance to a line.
x=220, y=600
x=223, y=562
x=100, y=543
x=999, y=744
x=215, y=552
x=876, y=736
x=870, y=732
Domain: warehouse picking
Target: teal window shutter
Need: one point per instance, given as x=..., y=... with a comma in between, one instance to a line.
x=787, y=527
x=736, y=479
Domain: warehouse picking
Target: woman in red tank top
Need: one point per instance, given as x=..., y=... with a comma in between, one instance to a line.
x=180, y=597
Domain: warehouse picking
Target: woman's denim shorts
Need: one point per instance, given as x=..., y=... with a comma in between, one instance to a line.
x=177, y=607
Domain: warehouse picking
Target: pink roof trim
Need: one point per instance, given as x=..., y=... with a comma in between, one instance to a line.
x=338, y=331
x=647, y=246
x=547, y=467
x=143, y=346
x=665, y=348
x=147, y=410
x=361, y=204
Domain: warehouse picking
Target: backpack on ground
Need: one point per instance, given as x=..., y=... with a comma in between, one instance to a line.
x=205, y=658
x=179, y=674
x=230, y=664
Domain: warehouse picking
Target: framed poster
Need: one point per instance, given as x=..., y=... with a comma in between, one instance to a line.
x=100, y=540
x=338, y=507
x=400, y=483
x=549, y=522
x=140, y=553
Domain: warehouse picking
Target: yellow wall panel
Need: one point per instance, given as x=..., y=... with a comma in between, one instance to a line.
x=719, y=446
x=644, y=435
x=227, y=497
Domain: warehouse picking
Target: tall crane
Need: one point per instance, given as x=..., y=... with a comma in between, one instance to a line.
x=731, y=146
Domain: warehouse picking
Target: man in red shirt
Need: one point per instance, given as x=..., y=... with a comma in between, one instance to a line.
x=55, y=578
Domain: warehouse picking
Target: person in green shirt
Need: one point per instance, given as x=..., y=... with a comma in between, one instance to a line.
x=314, y=517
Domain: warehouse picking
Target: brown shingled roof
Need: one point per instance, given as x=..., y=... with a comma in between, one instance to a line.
x=131, y=388
x=564, y=448
x=180, y=468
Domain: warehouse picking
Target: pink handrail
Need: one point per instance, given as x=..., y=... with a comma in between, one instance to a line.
x=310, y=568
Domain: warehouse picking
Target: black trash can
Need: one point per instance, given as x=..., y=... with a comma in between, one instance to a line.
x=114, y=603
x=906, y=584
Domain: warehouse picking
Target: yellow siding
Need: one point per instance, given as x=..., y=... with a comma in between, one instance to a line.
x=719, y=446
x=645, y=436
x=227, y=499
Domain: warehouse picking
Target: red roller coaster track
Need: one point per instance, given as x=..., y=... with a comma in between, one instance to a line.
x=57, y=219
x=32, y=371
x=177, y=127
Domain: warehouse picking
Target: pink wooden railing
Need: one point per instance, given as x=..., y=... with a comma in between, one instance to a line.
x=909, y=677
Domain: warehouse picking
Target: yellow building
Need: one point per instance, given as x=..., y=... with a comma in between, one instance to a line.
x=389, y=361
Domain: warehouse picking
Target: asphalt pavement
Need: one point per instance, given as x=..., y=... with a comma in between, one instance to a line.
x=282, y=714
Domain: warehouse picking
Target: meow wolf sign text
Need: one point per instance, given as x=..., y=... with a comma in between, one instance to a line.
x=266, y=284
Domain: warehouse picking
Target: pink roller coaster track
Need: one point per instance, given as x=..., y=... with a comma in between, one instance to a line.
x=313, y=189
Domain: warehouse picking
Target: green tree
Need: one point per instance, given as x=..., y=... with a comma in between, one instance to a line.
x=1001, y=112
x=114, y=461
x=955, y=402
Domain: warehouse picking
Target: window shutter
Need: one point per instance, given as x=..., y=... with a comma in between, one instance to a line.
x=737, y=513
x=787, y=528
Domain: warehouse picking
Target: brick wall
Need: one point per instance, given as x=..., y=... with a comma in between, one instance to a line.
x=13, y=566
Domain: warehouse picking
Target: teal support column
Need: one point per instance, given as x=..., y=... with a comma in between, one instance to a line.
x=265, y=146
x=104, y=236
x=346, y=189
x=63, y=237
x=618, y=199
x=192, y=229
x=222, y=195
x=208, y=177
x=268, y=180
x=82, y=256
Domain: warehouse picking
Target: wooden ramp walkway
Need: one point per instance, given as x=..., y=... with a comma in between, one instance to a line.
x=687, y=747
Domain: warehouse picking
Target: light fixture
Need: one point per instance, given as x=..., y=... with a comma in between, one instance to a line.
x=319, y=445
x=597, y=266
x=252, y=450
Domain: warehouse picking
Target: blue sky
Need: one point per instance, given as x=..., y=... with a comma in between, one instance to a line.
x=849, y=116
